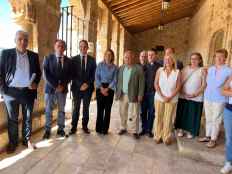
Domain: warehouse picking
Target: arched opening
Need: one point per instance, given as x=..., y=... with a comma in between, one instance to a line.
x=216, y=43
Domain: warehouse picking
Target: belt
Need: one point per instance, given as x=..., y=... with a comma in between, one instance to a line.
x=20, y=88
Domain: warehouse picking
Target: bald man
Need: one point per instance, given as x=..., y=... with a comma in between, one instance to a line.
x=130, y=90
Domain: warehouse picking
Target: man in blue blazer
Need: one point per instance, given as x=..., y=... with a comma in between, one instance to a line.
x=84, y=67
x=19, y=78
x=57, y=73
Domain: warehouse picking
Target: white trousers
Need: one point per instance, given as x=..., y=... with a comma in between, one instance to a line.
x=213, y=116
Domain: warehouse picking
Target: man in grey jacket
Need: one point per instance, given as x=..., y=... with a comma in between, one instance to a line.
x=130, y=90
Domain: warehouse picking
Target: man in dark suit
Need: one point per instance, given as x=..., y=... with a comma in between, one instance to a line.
x=84, y=67
x=57, y=73
x=171, y=51
x=19, y=78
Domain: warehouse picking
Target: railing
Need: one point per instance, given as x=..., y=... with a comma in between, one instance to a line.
x=72, y=29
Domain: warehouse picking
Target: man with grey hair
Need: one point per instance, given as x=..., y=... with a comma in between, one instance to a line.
x=130, y=91
x=19, y=78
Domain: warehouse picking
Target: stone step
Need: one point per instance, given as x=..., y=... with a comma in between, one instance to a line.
x=191, y=148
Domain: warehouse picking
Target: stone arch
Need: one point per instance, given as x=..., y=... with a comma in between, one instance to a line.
x=216, y=43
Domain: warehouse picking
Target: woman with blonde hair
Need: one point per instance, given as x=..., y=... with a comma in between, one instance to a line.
x=106, y=78
x=167, y=85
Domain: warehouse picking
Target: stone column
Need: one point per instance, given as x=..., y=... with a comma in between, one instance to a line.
x=24, y=15
x=91, y=25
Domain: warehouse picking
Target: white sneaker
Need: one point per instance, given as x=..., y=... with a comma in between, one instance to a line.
x=227, y=168
x=189, y=136
x=180, y=133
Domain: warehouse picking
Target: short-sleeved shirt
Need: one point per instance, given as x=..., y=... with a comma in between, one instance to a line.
x=215, y=80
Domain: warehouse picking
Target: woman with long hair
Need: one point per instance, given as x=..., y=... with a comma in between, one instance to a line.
x=106, y=79
x=167, y=85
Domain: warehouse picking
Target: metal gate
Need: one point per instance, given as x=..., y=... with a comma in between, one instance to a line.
x=72, y=30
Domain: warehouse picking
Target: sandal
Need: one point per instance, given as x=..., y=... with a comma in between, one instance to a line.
x=211, y=144
x=204, y=139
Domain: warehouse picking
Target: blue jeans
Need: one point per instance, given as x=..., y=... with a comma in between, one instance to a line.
x=147, y=112
x=228, y=132
x=50, y=101
x=12, y=106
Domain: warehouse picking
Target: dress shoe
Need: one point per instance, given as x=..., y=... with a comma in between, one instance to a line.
x=136, y=136
x=24, y=142
x=142, y=133
x=61, y=132
x=122, y=132
x=150, y=135
x=11, y=148
x=72, y=131
x=86, y=130
x=47, y=135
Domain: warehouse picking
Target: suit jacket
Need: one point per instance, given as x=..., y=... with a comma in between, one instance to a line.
x=136, y=83
x=77, y=79
x=51, y=75
x=8, y=60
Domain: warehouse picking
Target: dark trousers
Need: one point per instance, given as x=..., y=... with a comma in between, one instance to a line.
x=104, y=104
x=12, y=106
x=77, y=98
x=147, y=112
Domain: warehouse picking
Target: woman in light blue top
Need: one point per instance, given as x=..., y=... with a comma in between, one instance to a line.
x=214, y=101
x=106, y=79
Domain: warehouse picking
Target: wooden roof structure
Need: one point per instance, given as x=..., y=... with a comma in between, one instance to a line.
x=140, y=15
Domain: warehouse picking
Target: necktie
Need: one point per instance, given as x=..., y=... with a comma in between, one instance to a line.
x=59, y=68
x=83, y=65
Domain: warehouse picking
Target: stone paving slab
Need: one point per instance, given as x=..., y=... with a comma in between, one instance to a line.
x=98, y=154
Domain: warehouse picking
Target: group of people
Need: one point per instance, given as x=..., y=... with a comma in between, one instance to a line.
x=160, y=92
x=178, y=95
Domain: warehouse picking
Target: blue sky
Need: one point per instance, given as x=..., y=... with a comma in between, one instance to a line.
x=7, y=26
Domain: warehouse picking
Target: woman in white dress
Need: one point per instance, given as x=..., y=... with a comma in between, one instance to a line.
x=190, y=104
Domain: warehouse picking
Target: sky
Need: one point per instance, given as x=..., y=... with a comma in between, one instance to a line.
x=7, y=25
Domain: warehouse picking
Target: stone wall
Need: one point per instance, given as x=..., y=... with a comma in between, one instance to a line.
x=212, y=16
x=174, y=35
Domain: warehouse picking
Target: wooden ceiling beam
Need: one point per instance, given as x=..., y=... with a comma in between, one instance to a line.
x=134, y=3
x=139, y=28
x=149, y=6
x=137, y=6
x=158, y=19
x=152, y=15
x=117, y=2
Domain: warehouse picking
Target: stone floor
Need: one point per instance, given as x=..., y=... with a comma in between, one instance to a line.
x=97, y=154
